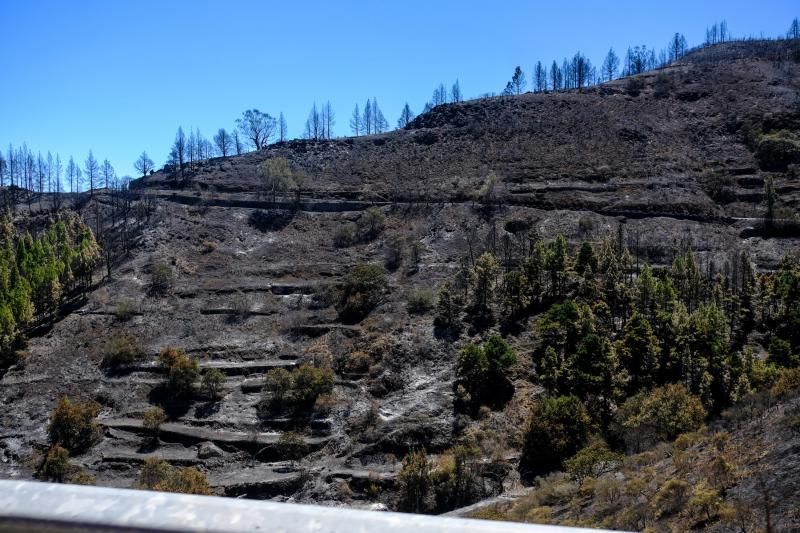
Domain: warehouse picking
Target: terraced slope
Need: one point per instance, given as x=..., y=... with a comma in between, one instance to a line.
x=254, y=274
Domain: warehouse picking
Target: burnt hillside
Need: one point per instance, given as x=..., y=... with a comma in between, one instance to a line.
x=246, y=282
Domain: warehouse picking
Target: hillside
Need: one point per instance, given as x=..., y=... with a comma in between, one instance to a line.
x=247, y=281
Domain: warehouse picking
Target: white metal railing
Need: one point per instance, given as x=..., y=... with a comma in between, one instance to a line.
x=32, y=506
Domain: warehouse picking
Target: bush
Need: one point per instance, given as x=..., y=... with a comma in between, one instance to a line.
x=345, y=235
x=182, y=370
x=415, y=482
x=787, y=384
x=780, y=354
x=162, y=278
x=72, y=425
x=559, y=428
x=157, y=474
x=420, y=302
x=83, y=478
x=361, y=292
x=125, y=310
x=671, y=498
x=211, y=384
x=481, y=373
x=299, y=389
x=371, y=223
x=293, y=444
x=309, y=383
x=123, y=350
x=634, y=86
x=662, y=414
x=393, y=253
x=278, y=384
x=56, y=464
x=592, y=461
x=152, y=420
x=662, y=86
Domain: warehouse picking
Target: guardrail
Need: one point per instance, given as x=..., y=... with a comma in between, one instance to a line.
x=27, y=506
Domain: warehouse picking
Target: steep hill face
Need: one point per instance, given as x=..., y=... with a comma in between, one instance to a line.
x=671, y=160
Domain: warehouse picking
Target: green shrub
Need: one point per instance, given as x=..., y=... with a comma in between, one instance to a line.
x=371, y=223
x=277, y=385
x=125, y=310
x=56, y=464
x=448, y=310
x=212, y=382
x=420, y=302
x=182, y=370
x=671, y=498
x=592, y=461
x=361, y=292
x=662, y=414
x=415, y=482
x=777, y=150
x=345, y=235
x=83, y=478
x=157, y=474
x=152, y=420
x=298, y=389
x=309, y=383
x=293, y=445
x=780, y=354
x=72, y=425
x=559, y=427
x=393, y=253
x=481, y=373
x=162, y=278
x=123, y=350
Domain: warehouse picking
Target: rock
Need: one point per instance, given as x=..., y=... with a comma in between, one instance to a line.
x=207, y=450
x=378, y=507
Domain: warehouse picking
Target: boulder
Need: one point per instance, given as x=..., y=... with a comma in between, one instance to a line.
x=207, y=450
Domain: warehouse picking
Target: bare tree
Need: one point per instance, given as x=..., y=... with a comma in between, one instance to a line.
x=406, y=116
x=50, y=168
x=108, y=173
x=439, y=95
x=92, y=170
x=367, y=121
x=41, y=172
x=610, y=65
x=328, y=120
x=237, y=142
x=518, y=82
x=539, y=77
x=355, y=122
x=283, y=131
x=379, y=122
x=794, y=29
x=72, y=169
x=143, y=165
x=455, y=93
x=256, y=126
x=2, y=170
x=179, y=149
x=223, y=142
x=677, y=47
x=315, y=127
x=724, y=35
x=555, y=76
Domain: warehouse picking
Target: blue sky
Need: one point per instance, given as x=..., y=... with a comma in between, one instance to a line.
x=119, y=77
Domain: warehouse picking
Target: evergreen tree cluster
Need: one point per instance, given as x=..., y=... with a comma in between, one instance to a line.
x=38, y=274
x=608, y=328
